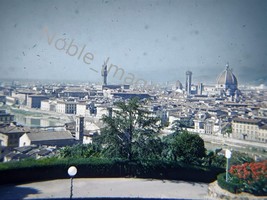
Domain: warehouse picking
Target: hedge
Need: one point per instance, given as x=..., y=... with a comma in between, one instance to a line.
x=48, y=169
x=231, y=187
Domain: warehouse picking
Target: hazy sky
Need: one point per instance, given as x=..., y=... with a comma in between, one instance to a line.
x=153, y=40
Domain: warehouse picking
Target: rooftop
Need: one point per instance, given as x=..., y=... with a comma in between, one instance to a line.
x=53, y=135
x=13, y=129
x=249, y=121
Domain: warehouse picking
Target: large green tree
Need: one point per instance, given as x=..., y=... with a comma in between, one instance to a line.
x=186, y=147
x=128, y=130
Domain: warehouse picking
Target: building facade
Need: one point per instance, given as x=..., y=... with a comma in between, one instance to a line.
x=249, y=129
x=34, y=101
x=48, y=138
x=66, y=107
x=9, y=135
x=6, y=118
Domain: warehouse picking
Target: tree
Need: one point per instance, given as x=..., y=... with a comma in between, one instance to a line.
x=130, y=126
x=227, y=131
x=79, y=151
x=215, y=160
x=149, y=149
x=188, y=148
x=178, y=126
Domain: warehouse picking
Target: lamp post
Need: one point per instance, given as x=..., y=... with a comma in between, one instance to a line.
x=228, y=154
x=72, y=172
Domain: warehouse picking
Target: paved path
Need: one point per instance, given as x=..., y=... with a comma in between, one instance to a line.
x=103, y=187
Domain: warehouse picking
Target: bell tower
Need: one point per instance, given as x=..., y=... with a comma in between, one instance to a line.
x=79, y=129
x=104, y=72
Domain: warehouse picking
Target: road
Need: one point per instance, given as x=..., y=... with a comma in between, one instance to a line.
x=106, y=187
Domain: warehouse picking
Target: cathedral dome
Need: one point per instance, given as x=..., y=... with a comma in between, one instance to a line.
x=227, y=79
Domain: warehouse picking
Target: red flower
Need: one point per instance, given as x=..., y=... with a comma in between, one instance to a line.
x=250, y=171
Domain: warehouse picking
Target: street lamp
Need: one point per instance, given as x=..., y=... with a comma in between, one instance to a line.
x=228, y=154
x=72, y=171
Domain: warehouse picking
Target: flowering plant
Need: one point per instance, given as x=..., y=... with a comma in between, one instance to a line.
x=252, y=177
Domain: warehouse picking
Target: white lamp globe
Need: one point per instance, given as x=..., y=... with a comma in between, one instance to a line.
x=228, y=153
x=72, y=171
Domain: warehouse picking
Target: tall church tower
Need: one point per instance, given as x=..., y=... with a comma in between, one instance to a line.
x=188, y=82
x=104, y=73
x=79, y=129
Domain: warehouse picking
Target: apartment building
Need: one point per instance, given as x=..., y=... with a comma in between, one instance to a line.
x=66, y=107
x=263, y=133
x=9, y=135
x=249, y=129
x=34, y=101
x=48, y=105
x=6, y=118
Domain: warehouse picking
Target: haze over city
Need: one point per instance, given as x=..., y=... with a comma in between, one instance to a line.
x=154, y=40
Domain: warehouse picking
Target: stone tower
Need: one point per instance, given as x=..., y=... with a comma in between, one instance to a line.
x=188, y=82
x=79, y=129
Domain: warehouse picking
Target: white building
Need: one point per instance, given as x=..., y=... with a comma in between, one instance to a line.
x=90, y=130
x=249, y=129
x=262, y=136
x=45, y=105
x=48, y=105
x=102, y=110
x=81, y=109
x=66, y=107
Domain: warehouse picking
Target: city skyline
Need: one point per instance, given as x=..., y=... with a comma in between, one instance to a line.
x=154, y=40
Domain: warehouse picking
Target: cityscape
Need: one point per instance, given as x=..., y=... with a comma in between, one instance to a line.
x=70, y=92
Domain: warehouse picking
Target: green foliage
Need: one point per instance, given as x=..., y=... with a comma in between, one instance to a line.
x=219, y=161
x=233, y=187
x=177, y=126
x=127, y=130
x=215, y=160
x=56, y=168
x=28, y=163
x=257, y=187
x=229, y=129
x=79, y=151
x=149, y=149
x=239, y=158
x=247, y=177
x=252, y=176
x=186, y=147
x=167, y=150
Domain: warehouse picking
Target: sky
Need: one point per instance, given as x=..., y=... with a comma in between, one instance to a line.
x=153, y=40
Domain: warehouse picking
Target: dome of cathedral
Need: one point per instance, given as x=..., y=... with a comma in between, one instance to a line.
x=227, y=78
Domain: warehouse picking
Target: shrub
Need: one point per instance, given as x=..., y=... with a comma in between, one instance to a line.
x=47, y=169
x=239, y=158
x=184, y=146
x=252, y=176
x=229, y=186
